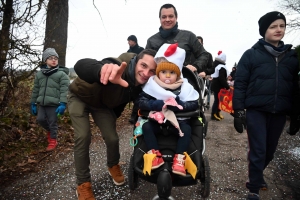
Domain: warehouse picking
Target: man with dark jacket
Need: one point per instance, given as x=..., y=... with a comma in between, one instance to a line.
x=133, y=45
x=196, y=56
x=102, y=89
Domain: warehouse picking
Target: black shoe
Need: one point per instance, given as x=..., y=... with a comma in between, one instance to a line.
x=252, y=196
x=264, y=185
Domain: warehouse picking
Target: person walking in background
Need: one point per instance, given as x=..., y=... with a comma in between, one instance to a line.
x=103, y=89
x=133, y=45
x=197, y=58
x=208, y=77
x=134, y=48
x=168, y=84
x=50, y=94
x=265, y=91
x=219, y=82
x=232, y=73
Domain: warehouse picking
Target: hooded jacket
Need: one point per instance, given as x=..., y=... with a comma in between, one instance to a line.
x=88, y=88
x=266, y=83
x=50, y=89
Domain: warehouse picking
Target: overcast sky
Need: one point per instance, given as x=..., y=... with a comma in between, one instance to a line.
x=227, y=25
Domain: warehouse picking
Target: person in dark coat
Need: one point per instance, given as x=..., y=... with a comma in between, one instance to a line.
x=219, y=82
x=197, y=58
x=232, y=73
x=265, y=91
x=133, y=45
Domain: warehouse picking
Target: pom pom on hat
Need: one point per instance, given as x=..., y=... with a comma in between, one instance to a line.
x=221, y=57
x=49, y=52
x=265, y=21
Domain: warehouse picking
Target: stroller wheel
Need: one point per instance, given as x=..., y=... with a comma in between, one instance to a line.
x=132, y=175
x=156, y=197
x=205, y=178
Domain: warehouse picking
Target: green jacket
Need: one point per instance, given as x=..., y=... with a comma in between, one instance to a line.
x=88, y=88
x=51, y=87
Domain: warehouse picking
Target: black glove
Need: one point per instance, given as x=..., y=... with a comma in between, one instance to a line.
x=294, y=125
x=239, y=120
x=156, y=105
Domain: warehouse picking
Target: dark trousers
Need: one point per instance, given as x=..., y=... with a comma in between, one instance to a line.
x=264, y=130
x=215, y=106
x=151, y=128
x=47, y=118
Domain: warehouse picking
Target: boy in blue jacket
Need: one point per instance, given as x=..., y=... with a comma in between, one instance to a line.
x=266, y=85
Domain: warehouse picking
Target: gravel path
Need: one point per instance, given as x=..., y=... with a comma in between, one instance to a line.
x=225, y=148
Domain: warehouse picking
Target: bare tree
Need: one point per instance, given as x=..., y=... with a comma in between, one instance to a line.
x=56, y=32
x=19, y=44
x=291, y=8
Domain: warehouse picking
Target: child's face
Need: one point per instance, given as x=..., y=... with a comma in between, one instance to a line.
x=275, y=32
x=52, y=61
x=167, y=76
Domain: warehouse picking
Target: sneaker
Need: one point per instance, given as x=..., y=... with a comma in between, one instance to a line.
x=117, y=175
x=85, y=192
x=51, y=145
x=158, y=160
x=178, y=165
x=252, y=196
x=215, y=117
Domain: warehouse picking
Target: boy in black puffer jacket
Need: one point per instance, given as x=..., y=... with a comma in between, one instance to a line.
x=266, y=84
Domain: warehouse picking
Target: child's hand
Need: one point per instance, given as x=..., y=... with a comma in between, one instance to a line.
x=33, y=109
x=61, y=109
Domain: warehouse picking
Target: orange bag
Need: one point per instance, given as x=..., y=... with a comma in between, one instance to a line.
x=225, y=100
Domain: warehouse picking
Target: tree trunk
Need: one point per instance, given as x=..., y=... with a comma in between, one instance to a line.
x=56, y=33
x=4, y=34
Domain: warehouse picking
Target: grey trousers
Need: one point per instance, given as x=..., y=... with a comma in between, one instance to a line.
x=105, y=119
x=47, y=118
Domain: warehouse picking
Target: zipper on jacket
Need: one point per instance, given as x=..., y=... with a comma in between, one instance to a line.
x=276, y=86
x=45, y=90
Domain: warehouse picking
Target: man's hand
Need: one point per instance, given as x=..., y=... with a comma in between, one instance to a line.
x=202, y=74
x=192, y=68
x=239, y=120
x=113, y=73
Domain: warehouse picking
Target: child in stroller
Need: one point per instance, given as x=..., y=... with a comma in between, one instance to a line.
x=168, y=86
x=167, y=155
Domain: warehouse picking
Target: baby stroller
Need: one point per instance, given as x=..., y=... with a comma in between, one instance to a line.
x=163, y=176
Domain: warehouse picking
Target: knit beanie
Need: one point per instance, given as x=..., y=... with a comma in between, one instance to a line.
x=133, y=38
x=265, y=21
x=49, y=52
x=221, y=57
x=170, y=57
